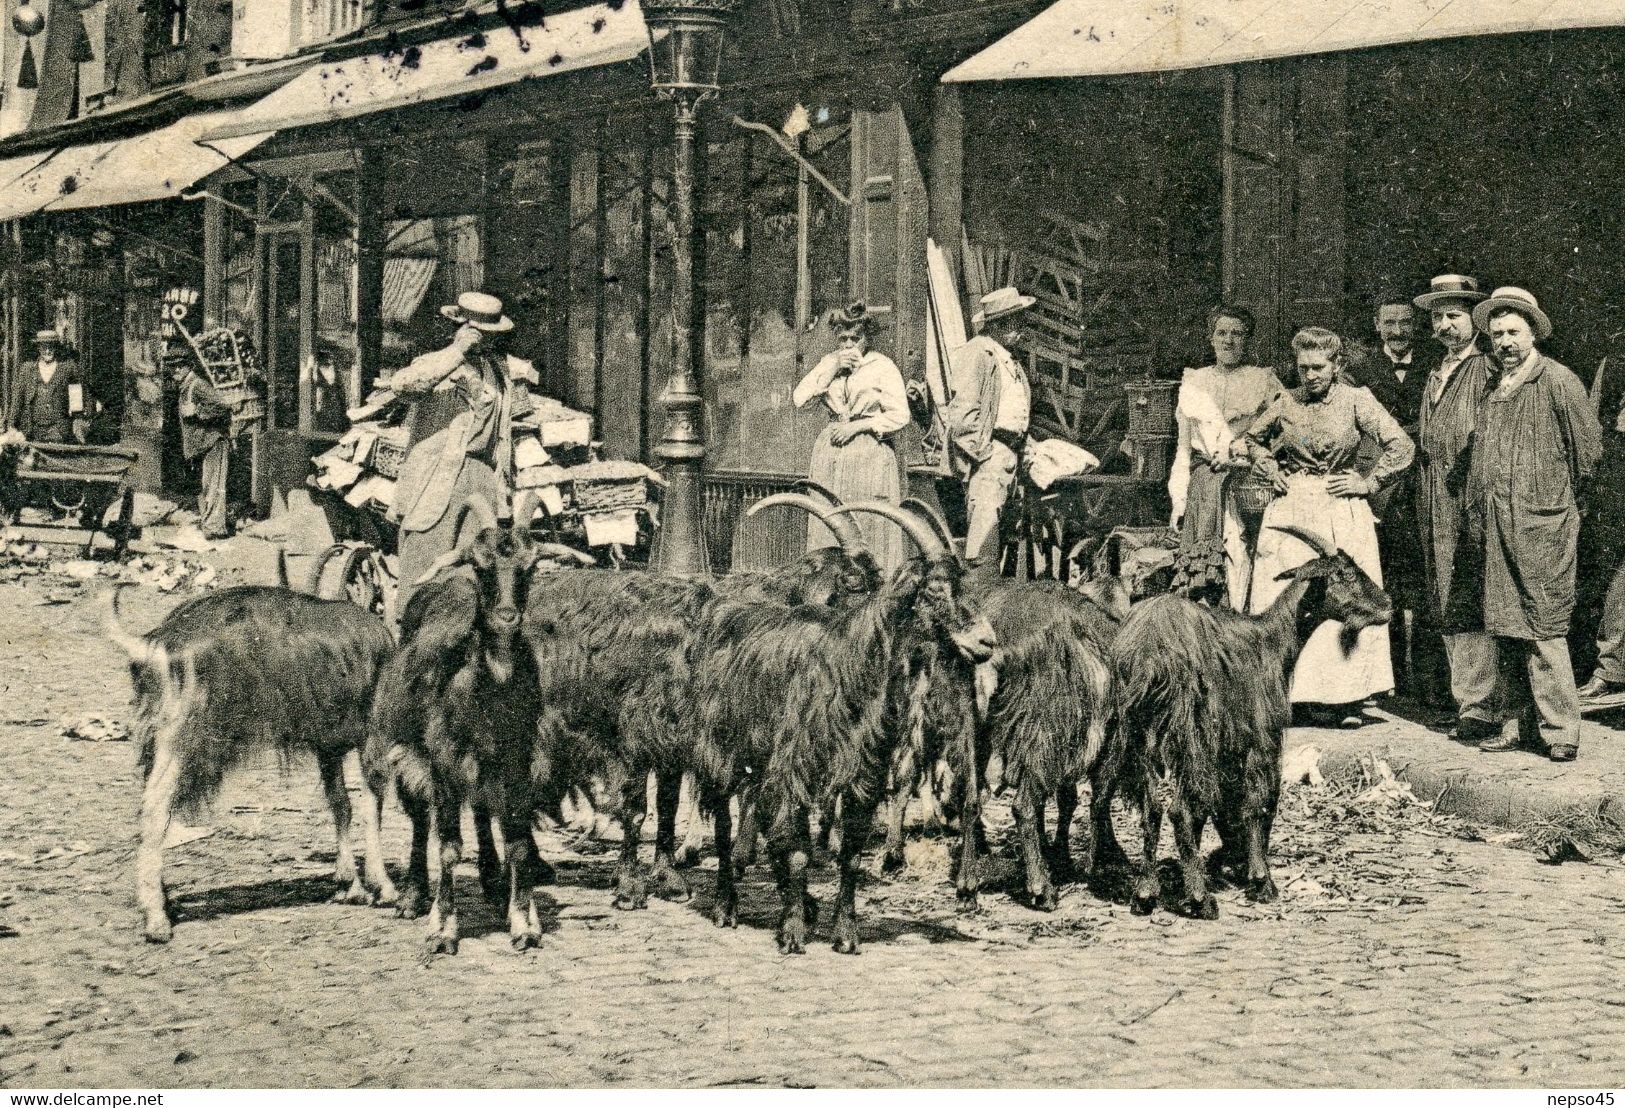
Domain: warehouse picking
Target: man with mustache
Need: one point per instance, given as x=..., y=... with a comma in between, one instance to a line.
x=1447, y=420
x=1537, y=447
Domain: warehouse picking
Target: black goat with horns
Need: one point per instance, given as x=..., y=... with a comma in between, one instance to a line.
x=1203, y=695
x=453, y=720
x=1048, y=704
x=797, y=707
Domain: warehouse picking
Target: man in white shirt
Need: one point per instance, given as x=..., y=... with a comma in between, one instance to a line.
x=987, y=416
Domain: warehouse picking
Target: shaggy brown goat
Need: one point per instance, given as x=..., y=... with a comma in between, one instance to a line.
x=1203, y=695
x=794, y=705
x=243, y=671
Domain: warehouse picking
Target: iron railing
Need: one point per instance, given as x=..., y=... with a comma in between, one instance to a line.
x=774, y=538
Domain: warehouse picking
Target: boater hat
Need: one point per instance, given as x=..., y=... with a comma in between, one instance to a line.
x=1519, y=300
x=479, y=310
x=1001, y=302
x=47, y=335
x=1448, y=287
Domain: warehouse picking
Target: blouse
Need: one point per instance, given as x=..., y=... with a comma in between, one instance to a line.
x=1237, y=395
x=1322, y=436
x=871, y=396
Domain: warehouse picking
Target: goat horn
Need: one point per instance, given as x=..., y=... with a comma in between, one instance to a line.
x=563, y=553
x=524, y=508
x=479, y=508
x=440, y=565
x=930, y=514
x=847, y=532
x=918, y=531
x=1318, y=542
x=808, y=485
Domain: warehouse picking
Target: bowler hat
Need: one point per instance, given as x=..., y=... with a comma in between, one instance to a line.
x=47, y=335
x=1447, y=287
x=1001, y=302
x=479, y=310
x=1519, y=300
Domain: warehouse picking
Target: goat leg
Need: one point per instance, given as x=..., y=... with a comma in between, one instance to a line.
x=1060, y=845
x=900, y=784
x=372, y=817
x=349, y=887
x=524, y=925
x=1260, y=885
x=857, y=820
x=443, y=927
x=725, y=910
x=669, y=884
x=1147, y=889
x=749, y=833
x=493, y=870
x=1198, y=902
x=631, y=893
x=1028, y=811
x=790, y=861
x=157, y=803
x=1103, y=851
x=414, y=898
x=969, y=880
x=693, y=844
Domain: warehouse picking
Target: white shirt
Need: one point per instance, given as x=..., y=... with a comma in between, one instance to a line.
x=872, y=394
x=1515, y=377
x=47, y=370
x=1447, y=368
x=1401, y=366
x=1015, y=396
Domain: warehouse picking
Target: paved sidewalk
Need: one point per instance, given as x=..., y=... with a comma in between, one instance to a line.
x=1512, y=789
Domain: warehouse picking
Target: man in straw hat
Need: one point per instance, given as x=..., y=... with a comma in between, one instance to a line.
x=1538, y=445
x=48, y=403
x=1447, y=420
x=987, y=416
x=460, y=446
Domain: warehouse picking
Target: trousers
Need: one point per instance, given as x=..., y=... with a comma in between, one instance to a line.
x=985, y=495
x=1474, y=680
x=1537, y=682
x=211, y=497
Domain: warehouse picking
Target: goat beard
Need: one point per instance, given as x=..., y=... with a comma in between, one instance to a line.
x=499, y=659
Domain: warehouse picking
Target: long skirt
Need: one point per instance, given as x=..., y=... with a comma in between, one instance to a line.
x=1325, y=673
x=1211, y=518
x=864, y=469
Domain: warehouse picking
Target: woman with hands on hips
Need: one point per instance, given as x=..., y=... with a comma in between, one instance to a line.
x=854, y=456
x=1304, y=444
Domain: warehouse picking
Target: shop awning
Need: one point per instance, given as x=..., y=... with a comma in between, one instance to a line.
x=601, y=34
x=1089, y=38
x=154, y=166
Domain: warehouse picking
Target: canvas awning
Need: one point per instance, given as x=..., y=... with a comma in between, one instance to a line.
x=601, y=34
x=1090, y=38
x=153, y=166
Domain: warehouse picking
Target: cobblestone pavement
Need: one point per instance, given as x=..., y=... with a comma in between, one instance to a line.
x=1399, y=955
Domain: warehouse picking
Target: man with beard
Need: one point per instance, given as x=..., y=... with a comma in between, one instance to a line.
x=1397, y=380
x=1538, y=445
x=1453, y=576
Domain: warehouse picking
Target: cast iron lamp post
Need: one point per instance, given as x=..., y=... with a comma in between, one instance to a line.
x=685, y=53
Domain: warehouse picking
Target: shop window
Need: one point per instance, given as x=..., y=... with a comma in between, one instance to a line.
x=776, y=263
x=330, y=370
x=427, y=263
x=527, y=253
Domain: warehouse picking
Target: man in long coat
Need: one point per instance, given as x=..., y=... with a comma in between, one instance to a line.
x=1397, y=378
x=1447, y=419
x=1538, y=446
x=460, y=446
x=42, y=404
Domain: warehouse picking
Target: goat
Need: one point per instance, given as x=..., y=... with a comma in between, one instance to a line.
x=453, y=720
x=245, y=670
x=1203, y=696
x=794, y=704
x=1041, y=725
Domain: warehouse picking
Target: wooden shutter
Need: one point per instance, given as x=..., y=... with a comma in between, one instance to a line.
x=889, y=214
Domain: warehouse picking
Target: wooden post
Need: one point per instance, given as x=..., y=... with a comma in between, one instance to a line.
x=370, y=242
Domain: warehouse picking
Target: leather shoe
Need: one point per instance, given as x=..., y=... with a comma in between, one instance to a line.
x=1563, y=753
x=1470, y=730
x=1599, y=687
x=1500, y=744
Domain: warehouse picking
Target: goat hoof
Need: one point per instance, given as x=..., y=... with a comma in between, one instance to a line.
x=968, y=901
x=356, y=893
x=1044, y=900
x=1263, y=891
x=846, y=936
x=631, y=902
x=412, y=905
x=793, y=938
x=525, y=940
x=442, y=944
x=1143, y=904
x=726, y=914
x=1206, y=908
x=671, y=885
x=893, y=862
x=158, y=929
x=386, y=897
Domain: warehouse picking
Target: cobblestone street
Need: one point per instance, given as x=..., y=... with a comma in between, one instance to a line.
x=1399, y=955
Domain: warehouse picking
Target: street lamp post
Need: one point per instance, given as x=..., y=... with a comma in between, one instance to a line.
x=685, y=54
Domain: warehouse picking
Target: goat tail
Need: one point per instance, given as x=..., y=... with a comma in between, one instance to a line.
x=142, y=651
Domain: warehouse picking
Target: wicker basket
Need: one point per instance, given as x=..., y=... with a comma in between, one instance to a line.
x=612, y=495
x=1253, y=496
x=387, y=458
x=1151, y=407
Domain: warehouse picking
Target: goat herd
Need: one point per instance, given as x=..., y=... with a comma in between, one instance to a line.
x=520, y=679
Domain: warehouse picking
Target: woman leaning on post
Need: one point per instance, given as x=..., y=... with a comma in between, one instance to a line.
x=1304, y=444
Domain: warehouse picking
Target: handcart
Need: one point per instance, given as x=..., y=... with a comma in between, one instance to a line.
x=79, y=483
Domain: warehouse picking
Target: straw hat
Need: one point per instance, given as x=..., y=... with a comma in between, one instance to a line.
x=479, y=310
x=1519, y=300
x=1447, y=287
x=1001, y=302
x=47, y=335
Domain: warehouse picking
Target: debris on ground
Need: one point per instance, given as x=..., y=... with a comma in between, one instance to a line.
x=95, y=729
x=1301, y=766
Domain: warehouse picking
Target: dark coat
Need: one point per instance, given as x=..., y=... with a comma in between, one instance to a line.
x=205, y=418
x=1398, y=534
x=1536, y=451
x=39, y=409
x=1444, y=441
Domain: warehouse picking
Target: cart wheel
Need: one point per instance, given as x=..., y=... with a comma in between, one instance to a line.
x=351, y=571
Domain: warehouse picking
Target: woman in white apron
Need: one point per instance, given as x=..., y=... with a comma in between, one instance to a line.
x=854, y=457
x=1305, y=444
